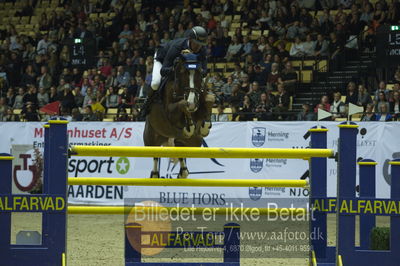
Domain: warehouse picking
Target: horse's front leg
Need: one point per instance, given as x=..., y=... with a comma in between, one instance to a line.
x=188, y=129
x=206, y=125
x=156, y=172
x=183, y=172
x=176, y=110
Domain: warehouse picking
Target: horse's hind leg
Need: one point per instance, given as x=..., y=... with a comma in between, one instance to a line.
x=183, y=172
x=156, y=172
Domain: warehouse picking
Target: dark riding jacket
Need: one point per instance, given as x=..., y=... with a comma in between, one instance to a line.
x=167, y=54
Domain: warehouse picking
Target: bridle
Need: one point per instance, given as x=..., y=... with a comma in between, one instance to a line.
x=193, y=66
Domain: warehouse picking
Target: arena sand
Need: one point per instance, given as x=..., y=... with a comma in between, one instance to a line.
x=98, y=240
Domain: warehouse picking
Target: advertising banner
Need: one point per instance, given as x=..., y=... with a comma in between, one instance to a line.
x=378, y=141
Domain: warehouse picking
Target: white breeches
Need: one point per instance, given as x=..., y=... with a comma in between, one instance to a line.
x=156, y=76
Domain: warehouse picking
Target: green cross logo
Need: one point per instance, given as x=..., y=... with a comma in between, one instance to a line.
x=123, y=165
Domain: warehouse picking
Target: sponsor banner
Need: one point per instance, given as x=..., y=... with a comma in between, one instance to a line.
x=376, y=141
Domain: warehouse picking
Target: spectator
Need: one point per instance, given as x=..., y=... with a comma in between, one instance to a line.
x=351, y=96
x=62, y=86
x=247, y=46
x=88, y=114
x=141, y=89
x=53, y=96
x=76, y=76
x=30, y=113
x=10, y=97
x=363, y=97
x=67, y=99
x=123, y=77
x=76, y=116
x=260, y=75
x=42, y=97
x=87, y=100
x=267, y=64
x=383, y=114
x=379, y=16
x=338, y=107
x=66, y=75
x=282, y=52
x=381, y=101
x=237, y=96
x=112, y=98
x=19, y=99
x=394, y=106
x=43, y=45
x=125, y=35
x=78, y=98
x=97, y=106
x=369, y=114
x=233, y=49
x=323, y=104
x=238, y=74
x=216, y=82
x=65, y=59
x=3, y=108
x=306, y=114
x=297, y=49
x=309, y=46
x=44, y=80
x=282, y=102
x=122, y=115
x=246, y=112
x=220, y=116
x=367, y=14
x=126, y=98
x=321, y=47
x=254, y=93
x=31, y=97
x=112, y=79
x=293, y=31
x=263, y=108
x=273, y=77
x=335, y=51
x=289, y=78
x=10, y=116
x=381, y=88
x=29, y=77
x=226, y=89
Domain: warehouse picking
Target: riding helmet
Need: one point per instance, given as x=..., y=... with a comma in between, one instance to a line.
x=199, y=35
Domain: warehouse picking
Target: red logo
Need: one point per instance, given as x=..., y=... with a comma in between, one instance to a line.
x=31, y=168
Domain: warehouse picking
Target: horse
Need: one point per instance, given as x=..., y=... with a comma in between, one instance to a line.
x=182, y=117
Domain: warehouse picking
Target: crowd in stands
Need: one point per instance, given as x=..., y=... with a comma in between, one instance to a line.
x=36, y=70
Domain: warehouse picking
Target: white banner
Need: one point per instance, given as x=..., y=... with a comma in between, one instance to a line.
x=376, y=141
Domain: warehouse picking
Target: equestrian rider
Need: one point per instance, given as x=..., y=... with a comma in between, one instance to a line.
x=165, y=56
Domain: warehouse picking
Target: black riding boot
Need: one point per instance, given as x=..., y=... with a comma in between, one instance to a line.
x=145, y=110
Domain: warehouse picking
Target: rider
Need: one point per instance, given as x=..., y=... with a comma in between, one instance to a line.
x=165, y=56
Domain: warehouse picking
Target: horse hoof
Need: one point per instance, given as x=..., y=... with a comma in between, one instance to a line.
x=183, y=173
x=188, y=133
x=205, y=129
x=155, y=174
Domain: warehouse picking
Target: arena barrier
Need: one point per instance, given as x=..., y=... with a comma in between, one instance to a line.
x=51, y=248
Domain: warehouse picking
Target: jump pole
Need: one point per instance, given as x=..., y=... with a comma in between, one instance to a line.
x=187, y=182
x=198, y=152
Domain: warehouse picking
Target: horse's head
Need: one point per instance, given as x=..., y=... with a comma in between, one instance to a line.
x=189, y=77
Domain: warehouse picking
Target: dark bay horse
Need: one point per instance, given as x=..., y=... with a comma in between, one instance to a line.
x=183, y=116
